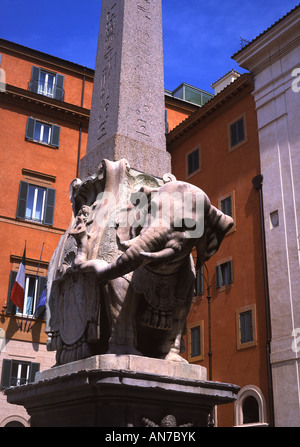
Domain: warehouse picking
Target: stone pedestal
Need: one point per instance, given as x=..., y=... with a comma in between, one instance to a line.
x=121, y=391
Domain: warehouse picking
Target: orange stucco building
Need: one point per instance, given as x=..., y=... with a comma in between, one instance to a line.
x=217, y=149
x=44, y=115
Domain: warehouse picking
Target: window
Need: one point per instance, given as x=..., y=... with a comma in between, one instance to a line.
x=36, y=203
x=246, y=327
x=166, y=122
x=250, y=410
x=199, y=282
x=237, y=132
x=34, y=286
x=47, y=83
x=42, y=132
x=224, y=274
x=250, y=407
x=193, y=162
x=226, y=204
x=246, y=330
x=195, y=334
x=16, y=373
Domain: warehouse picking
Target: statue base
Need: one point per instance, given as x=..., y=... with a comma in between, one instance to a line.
x=121, y=391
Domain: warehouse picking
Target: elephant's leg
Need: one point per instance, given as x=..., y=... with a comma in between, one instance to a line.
x=122, y=305
x=174, y=353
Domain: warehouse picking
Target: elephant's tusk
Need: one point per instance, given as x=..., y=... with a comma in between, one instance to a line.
x=159, y=255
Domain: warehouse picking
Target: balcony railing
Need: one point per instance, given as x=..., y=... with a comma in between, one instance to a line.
x=47, y=89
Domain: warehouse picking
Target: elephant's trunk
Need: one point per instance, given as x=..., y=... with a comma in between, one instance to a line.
x=150, y=240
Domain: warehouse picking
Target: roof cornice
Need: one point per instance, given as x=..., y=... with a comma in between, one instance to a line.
x=46, y=58
x=41, y=104
x=228, y=96
x=255, y=50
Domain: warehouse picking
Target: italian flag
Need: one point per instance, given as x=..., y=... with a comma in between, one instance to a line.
x=17, y=293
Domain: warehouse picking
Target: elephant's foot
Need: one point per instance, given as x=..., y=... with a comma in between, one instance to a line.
x=123, y=350
x=174, y=357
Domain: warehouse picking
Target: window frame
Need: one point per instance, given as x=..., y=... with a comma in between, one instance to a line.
x=233, y=208
x=248, y=344
x=188, y=154
x=7, y=366
x=48, y=203
x=40, y=283
x=199, y=282
x=228, y=285
x=54, y=133
x=42, y=89
x=58, y=92
x=245, y=139
x=247, y=391
x=190, y=326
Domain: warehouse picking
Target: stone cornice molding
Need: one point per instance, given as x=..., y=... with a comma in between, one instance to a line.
x=41, y=104
x=281, y=38
x=42, y=58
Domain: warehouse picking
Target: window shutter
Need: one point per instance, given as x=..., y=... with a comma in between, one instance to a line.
x=246, y=326
x=23, y=191
x=35, y=75
x=195, y=341
x=190, y=164
x=11, y=308
x=199, y=282
x=55, y=135
x=34, y=368
x=30, y=128
x=59, y=87
x=240, y=127
x=230, y=272
x=166, y=122
x=232, y=135
x=6, y=373
x=219, y=277
x=49, y=207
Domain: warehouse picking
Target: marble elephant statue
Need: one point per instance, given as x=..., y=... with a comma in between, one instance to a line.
x=139, y=283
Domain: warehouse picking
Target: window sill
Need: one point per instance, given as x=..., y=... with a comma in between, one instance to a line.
x=246, y=345
x=233, y=148
x=34, y=222
x=193, y=173
x=224, y=288
x=40, y=143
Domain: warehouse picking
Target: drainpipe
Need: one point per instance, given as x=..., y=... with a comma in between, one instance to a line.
x=257, y=183
x=80, y=129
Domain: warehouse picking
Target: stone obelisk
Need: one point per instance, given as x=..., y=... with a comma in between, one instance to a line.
x=128, y=109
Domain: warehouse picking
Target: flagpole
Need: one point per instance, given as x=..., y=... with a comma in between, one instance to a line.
x=34, y=289
x=21, y=325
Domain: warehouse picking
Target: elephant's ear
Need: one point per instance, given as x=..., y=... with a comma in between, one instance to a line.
x=217, y=224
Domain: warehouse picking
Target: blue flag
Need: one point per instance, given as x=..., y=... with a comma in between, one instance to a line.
x=42, y=300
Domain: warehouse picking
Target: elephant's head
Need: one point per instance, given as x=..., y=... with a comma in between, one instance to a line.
x=167, y=224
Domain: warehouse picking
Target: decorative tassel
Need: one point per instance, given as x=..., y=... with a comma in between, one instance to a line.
x=154, y=321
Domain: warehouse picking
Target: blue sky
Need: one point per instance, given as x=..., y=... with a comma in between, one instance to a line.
x=199, y=36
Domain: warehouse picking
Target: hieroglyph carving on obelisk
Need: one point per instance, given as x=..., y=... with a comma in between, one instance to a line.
x=128, y=108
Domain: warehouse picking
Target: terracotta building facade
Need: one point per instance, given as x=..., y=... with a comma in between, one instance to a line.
x=217, y=150
x=44, y=113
